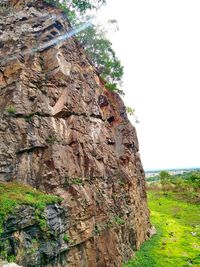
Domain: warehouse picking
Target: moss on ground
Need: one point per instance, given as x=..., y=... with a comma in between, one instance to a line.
x=14, y=194
x=177, y=242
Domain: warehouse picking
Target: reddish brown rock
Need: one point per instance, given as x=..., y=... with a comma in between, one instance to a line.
x=62, y=131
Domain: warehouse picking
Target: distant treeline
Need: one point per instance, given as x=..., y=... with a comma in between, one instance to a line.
x=187, y=183
x=185, y=176
x=153, y=179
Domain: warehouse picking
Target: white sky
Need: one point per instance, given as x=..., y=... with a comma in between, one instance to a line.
x=159, y=46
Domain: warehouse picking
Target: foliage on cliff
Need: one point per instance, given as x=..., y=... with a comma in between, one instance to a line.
x=13, y=194
x=80, y=6
x=94, y=40
x=103, y=56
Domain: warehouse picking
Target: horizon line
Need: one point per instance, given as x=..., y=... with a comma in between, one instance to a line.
x=170, y=169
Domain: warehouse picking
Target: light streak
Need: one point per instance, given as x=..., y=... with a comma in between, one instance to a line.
x=63, y=37
x=53, y=42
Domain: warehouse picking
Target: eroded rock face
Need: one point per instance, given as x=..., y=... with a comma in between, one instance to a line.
x=33, y=237
x=6, y=264
x=62, y=131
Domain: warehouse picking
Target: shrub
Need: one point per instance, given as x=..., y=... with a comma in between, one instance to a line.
x=165, y=179
x=194, y=179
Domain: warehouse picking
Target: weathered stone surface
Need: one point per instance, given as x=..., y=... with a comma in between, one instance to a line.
x=6, y=264
x=62, y=131
x=34, y=237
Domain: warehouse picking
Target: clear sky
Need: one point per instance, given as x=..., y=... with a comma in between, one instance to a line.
x=159, y=45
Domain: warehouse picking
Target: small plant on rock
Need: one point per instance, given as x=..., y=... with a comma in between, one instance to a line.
x=118, y=220
x=96, y=229
x=77, y=181
x=29, y=117
x=51, y=139
x=66, y=238
x=11, y=110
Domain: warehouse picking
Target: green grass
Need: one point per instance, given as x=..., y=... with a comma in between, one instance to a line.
x=177, y=242
x=13, y=194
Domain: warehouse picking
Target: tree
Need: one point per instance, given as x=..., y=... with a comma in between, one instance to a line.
x=165, y=179
x=83, y=5
x=194, y=179
x=78, y=6
x=103, y=56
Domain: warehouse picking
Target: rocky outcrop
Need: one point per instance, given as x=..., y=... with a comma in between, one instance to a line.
x=34, y=238
x=63, y=132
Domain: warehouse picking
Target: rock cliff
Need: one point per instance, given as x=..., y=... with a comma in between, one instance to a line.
x=25, y=240
x=63, y=132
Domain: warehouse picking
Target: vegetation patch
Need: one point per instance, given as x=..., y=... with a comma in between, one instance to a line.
x=66, y=238
x=29, y=117
x=51, y=139
x=13, y=194
x=178, y=234
x=184, y=186
x=73, y=181
x=97, y=229
x=118, y=220
x=11, y=110
x=77, y=181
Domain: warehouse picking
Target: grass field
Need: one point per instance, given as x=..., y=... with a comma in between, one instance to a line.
x=177, y=242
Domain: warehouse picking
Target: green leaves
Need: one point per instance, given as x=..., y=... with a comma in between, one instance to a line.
x=103, y=56
x=79, y=6
x=82, y=6
x=194, y=179
x=130, y=111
